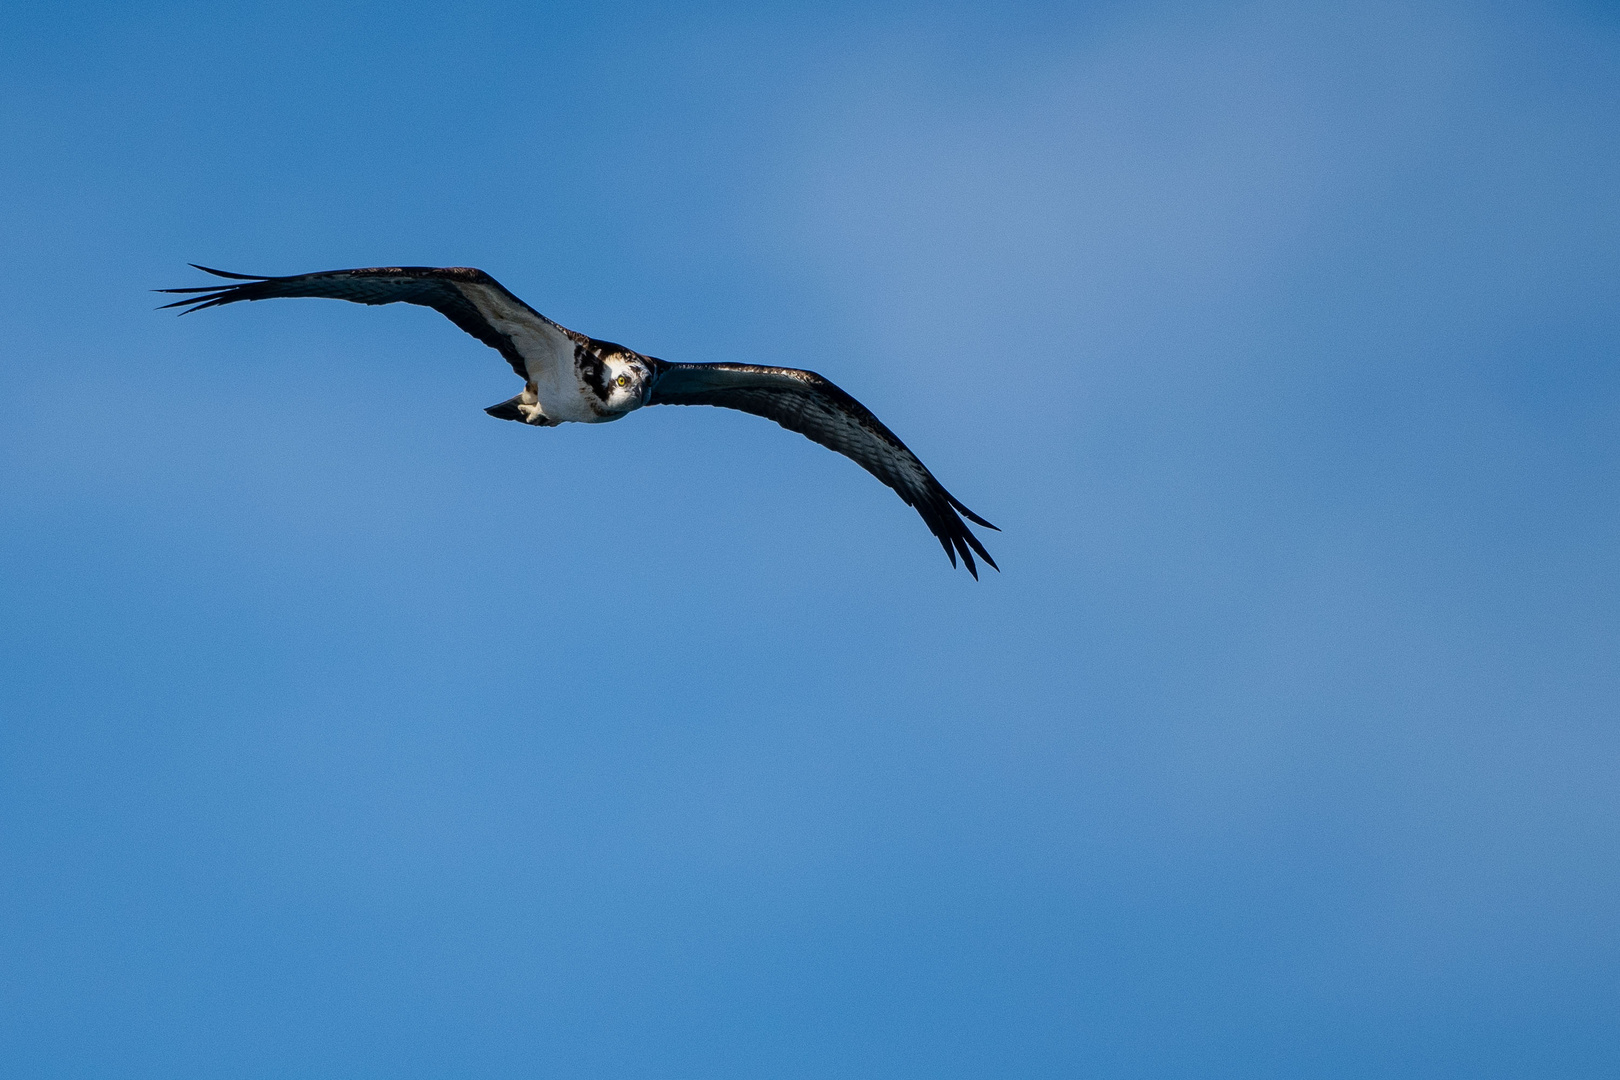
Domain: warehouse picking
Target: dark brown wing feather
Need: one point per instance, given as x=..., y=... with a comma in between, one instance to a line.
x=805, y=402
x=427, y=286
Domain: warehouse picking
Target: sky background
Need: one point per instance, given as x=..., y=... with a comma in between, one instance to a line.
x=347, y=732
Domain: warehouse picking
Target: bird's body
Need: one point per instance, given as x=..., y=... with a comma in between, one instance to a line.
x=571, y=378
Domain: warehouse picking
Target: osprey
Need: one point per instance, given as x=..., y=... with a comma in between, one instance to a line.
x=570, y=377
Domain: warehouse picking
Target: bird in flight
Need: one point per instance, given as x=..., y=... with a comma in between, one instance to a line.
x=568, y=376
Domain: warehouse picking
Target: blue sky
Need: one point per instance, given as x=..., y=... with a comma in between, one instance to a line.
x=347, y=732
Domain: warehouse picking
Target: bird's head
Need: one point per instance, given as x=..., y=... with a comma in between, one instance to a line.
x=619, y=379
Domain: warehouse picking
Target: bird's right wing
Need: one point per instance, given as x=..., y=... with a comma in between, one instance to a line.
x=805, y=402
x=470, y=298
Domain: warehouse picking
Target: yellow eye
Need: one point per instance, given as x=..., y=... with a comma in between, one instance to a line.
x=622, y=380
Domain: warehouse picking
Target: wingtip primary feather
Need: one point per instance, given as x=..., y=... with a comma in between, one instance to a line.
x=970, y=515
x=228, y=274
x=192, y=303
x=963, y=541
x=967, y=534
x=955, y=536
x=194, y=298
x=967, y=561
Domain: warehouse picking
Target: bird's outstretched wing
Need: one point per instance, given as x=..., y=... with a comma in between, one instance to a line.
x=805, y=402
x=470, y=298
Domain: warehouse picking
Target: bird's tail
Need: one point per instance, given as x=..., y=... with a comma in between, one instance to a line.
x=507, y=410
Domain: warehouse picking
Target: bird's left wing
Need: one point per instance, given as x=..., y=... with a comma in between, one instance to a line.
x=805, y=402
x=470, y=298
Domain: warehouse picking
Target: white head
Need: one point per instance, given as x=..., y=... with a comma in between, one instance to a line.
x=617, y=381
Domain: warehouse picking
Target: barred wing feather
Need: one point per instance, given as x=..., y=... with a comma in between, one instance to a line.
x=804, y=402
x=439, y=288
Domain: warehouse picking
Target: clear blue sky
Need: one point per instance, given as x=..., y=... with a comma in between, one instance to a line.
x=347, y=732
